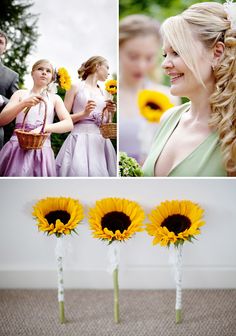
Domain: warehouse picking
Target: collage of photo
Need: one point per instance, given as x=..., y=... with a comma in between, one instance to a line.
x=118, y=122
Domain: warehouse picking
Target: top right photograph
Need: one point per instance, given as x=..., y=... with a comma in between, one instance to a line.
x=177, y=89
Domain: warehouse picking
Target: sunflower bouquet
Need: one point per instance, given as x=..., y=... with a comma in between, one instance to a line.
x=153, y=104
x=115, y=220
x=111, y=88
x=174, y=223
x=61, y=83
x=128, y=166
x=58, y=216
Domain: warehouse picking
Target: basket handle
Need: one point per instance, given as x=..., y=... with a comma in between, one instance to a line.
x=103, y=114
x=44, y=119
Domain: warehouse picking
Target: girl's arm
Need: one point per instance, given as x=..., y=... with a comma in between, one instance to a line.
x=69, y=100
x=65, y=124
x=16, y=105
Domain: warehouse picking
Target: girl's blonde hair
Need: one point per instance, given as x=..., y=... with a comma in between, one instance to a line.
x=90, y=66
x=209, y=23
x=138, y=25
x=36, y=64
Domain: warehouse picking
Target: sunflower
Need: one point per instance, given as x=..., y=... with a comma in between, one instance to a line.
x=153, y=104
x=58, y=215
x=174, y=222
x=111, y=86
x=116, y=219
x=63, y=79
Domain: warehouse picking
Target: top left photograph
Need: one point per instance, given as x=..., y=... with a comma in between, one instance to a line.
x=58, y=88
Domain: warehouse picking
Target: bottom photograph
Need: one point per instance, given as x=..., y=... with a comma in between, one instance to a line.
x=118, y=257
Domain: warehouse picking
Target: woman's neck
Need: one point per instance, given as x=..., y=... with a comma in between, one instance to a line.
x=200, y=105
x=91, y=80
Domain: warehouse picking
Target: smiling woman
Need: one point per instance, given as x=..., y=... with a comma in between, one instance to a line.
x=198, y=138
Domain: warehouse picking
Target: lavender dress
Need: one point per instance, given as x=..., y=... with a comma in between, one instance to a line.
x=85, y=152
x=15, y=161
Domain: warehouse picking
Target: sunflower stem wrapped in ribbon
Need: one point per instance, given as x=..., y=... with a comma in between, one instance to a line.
x=174, y=223
x=115, y=220
x=153, y=104
x=58, y=216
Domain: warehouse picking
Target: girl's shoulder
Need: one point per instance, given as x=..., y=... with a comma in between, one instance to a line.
x=20, y=94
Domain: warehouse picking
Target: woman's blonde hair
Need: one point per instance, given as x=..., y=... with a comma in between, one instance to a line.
x=36, y=64
x=209, y=23
x=138, y=25
x=90, y=66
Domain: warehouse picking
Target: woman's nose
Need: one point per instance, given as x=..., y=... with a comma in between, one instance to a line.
x=167, y=63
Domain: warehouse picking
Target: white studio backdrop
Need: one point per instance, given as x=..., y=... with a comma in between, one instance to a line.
x=27, y=258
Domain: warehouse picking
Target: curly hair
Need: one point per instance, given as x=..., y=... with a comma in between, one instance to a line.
x=89, y=67
x=209, y=22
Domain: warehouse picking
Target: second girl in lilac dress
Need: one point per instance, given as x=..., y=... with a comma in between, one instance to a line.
x=85, y=152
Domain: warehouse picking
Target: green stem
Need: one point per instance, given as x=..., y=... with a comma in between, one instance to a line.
x=116, y=296
x=61, y=312
x=178, y=315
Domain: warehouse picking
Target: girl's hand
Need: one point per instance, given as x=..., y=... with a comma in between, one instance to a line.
x=32, y=100
x=90, y=106
x=111, y=107
x=38, y=130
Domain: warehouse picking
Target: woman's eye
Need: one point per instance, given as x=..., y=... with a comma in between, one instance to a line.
x=164, y=55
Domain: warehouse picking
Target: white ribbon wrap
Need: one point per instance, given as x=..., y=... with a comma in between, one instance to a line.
x=175, y=259
x=60, y=253
x=113, y=256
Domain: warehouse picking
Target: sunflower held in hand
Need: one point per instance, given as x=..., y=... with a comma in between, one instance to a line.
x=153, y=104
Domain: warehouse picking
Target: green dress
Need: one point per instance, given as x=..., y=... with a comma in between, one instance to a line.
x=205, y=160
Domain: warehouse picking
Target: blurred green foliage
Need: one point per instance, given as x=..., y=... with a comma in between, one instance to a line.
x=160, y=9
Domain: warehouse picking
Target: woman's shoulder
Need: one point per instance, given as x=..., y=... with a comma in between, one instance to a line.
x=174, y=111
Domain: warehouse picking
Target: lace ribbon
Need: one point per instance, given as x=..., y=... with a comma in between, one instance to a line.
x=113, y=256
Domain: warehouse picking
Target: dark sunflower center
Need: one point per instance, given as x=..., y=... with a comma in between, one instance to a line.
x=153, y=106
x=116, y=220
x=112, y=86
x=177, y=223
x=52, y=216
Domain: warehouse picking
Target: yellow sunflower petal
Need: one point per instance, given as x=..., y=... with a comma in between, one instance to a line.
x=165, y=226
x=129, y=211
x=53, y=204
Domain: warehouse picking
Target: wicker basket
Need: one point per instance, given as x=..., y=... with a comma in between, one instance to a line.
x=29, y=140
x=108, y=130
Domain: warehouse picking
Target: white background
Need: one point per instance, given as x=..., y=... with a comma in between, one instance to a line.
x=27, y=256
x=73, y=31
